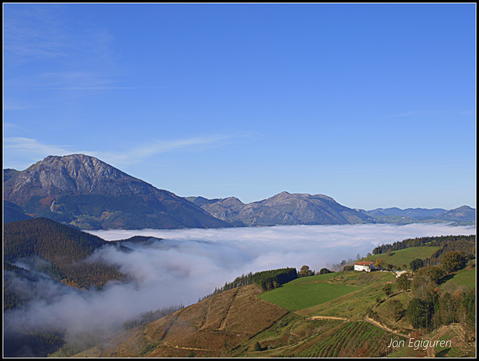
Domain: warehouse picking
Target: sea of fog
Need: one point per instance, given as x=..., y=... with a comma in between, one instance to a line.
x=189, y=263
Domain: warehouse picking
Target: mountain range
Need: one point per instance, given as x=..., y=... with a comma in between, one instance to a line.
x=463, y=215
x=88, y=193
x=283, y=208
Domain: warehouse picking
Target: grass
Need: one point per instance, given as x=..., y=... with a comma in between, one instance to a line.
x=463, y=278
x=353, y=305
x=386, y=315
x=404, y=256
x=306, y=292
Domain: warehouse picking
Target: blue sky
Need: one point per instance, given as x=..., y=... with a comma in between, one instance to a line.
x=373, y=105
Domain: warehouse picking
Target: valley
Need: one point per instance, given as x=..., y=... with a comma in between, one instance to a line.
x=276, y=313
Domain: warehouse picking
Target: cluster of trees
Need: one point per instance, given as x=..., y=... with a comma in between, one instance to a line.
x=467, y=242
x=305, y=271
x=59, y=251
x=448, y=262
x=267, y=280
x=442, y=309
x=91, y=274
x=432, y=307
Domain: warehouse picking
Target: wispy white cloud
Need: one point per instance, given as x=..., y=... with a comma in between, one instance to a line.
x=23, y=151
x=148, y=150
x=33, y=32
x=80, y=54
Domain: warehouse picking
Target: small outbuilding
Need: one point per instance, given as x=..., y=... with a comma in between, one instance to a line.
x=364, y=266
x=400, y=273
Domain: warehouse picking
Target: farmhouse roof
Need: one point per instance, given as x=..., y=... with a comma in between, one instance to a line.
x=364, y=263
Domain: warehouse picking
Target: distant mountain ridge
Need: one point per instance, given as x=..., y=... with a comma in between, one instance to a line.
x=462, y=215
x=90, y=194
x=282, y=209
x=300, y=208
x=86, y=192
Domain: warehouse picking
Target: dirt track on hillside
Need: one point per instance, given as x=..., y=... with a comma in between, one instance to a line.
x=328, y=318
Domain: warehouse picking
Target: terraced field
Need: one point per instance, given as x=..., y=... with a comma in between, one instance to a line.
x=350, y=338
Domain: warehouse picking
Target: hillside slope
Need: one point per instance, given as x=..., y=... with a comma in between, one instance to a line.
x=88, y=193
x=45, y=246
x=13, y=213
x=211, y=327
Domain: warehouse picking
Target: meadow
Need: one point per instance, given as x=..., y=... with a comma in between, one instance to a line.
x=403, y=257
x=306, y=292
x=463, y=278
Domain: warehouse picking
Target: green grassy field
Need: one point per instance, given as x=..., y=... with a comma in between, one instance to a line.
x=404, y=256
x=355, y=304
x=306, y=292
x=464, y=278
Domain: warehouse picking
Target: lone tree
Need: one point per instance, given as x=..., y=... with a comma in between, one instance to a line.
x=324, y=271
x=403, y=282
x=379, y=263
x=305, y=271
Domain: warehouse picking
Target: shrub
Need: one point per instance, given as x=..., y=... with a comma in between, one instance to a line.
x=388, y=289
x=416, y=264
x=396, y=309
x=403, y=282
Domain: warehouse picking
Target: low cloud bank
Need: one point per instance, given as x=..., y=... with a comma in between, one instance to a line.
x=249, y=249
x=188, y=264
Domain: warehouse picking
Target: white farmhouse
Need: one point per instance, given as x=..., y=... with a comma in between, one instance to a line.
x=366, y=266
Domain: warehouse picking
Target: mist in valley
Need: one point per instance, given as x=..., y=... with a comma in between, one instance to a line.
x=188, y=264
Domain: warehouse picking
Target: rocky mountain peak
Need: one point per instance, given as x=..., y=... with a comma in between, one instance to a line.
x=85, y=191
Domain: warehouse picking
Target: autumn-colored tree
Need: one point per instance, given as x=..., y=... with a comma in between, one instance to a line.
x=453, y=261
x=305, y=271
x=403, y=282
x=379, y=263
